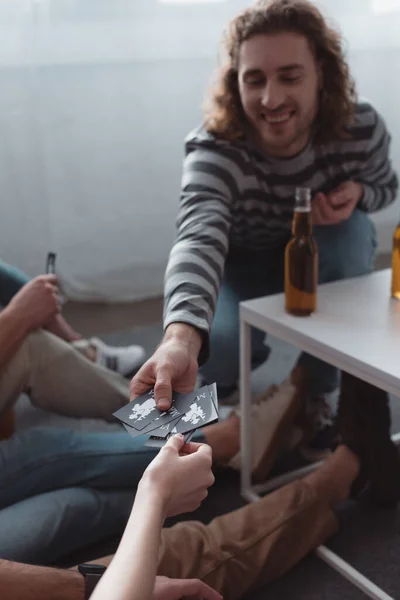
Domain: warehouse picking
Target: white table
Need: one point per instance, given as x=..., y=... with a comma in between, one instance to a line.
x=356, y=328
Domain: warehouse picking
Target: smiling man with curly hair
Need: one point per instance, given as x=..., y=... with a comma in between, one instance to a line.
x=282, y=113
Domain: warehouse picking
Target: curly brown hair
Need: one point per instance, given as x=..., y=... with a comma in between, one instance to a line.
x=224, y=115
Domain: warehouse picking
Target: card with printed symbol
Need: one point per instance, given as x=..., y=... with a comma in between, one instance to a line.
x=188, y=413
x=183, y=403
x=201, y=412
x=142, y=411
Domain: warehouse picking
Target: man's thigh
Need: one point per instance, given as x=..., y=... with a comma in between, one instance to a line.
x=247, y=275
x=347, y=249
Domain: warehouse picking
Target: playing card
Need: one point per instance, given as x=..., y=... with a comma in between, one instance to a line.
x=158, y=441
x=161, y=430
x=154, y=426
x=183, y=403
x=143, y=410
x=213, y=393
x=214, y=396
x=187, y=413
x=188, y=436
x=201, y=412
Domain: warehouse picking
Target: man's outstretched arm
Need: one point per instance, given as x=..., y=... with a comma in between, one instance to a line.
x=28, y=582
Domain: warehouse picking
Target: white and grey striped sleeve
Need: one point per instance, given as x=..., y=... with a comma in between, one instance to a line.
x=197, y=258
x=378, y=177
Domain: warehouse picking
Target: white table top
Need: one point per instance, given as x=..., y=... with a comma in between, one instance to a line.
x=356, y=327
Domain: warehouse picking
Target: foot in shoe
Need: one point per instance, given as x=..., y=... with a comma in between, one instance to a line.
x=364, y=427
x=317, y=425
x=272, y=418
x=125, y=360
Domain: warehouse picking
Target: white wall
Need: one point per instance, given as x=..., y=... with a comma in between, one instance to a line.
x=96, y=98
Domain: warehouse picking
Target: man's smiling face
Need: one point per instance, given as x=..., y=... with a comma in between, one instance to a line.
x=279, y=81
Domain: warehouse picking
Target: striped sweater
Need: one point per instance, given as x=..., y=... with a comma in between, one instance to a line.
x=235, y=196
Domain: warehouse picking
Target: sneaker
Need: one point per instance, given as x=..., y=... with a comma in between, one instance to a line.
x=272, y=417
x=364, y=427
x=125, y=360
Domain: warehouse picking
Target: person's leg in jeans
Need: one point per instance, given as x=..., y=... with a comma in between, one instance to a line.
x=61, y=380
x=247, y=275
x=46, y=528
x=345, y=250
x=11, y=281
x=41, y=460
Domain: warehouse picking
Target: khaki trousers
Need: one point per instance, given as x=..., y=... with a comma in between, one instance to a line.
x=60, y=379
x=247, y=548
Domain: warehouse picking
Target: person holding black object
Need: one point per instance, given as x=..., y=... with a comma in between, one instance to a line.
x=125, y=360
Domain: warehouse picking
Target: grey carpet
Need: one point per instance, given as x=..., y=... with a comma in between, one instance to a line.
x=368, y=538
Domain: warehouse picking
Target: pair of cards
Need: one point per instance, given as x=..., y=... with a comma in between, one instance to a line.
x=188, y=412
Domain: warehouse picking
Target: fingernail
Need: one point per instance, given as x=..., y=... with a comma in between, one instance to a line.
x=163, y=404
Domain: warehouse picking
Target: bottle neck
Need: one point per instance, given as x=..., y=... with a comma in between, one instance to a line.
x=302, y=224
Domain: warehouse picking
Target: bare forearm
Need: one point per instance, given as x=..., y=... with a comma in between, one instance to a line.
x=187, y=334
x=131, y=574
x=63, y=330
x=27, y=582
x=13, y=330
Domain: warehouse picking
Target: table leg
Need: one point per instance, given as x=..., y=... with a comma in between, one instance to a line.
x=285, y=478
x=354, y=576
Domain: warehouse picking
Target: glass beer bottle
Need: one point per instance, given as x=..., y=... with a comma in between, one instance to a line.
x=396, y=264
x=301, y=260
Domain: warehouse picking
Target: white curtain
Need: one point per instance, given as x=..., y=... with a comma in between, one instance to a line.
x=96, y=97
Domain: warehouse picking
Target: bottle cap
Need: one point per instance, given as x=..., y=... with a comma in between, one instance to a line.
x=303, y=199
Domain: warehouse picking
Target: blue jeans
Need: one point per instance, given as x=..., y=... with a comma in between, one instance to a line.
x=61, y=490
x=11, y=281
x=345, y=250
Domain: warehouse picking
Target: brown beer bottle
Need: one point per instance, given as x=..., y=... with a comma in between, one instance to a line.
x=396, y=264
x=301, y=260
